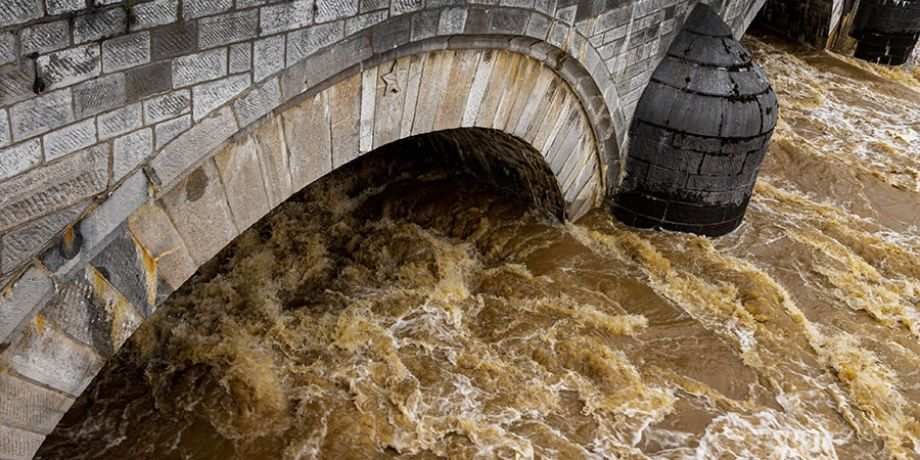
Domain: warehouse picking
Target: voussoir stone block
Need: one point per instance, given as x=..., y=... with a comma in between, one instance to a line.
x=167, y=106
x=241, y=173
x=209, y=96
x=34, y=408
x=27, y=294
x=307, y=131
x=18, y=444
x=258, y=102
x=152, y=228
x=192, y=146
x=198, y=207
x=26, y=241
x=168, y=130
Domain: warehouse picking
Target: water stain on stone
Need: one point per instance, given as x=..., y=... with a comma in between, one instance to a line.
x=196, y=185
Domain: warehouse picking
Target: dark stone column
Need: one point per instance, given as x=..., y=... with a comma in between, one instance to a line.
x=886, y=30
x=699, y=134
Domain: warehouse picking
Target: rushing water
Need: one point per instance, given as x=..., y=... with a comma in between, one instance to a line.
x=430, y=317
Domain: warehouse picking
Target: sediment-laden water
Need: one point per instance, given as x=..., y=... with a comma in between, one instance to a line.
x=431, y=317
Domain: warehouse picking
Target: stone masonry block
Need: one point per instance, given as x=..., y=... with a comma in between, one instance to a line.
x=330, y=10
x=7, y=47
x=18, y=11
x=166, y=131
x=452, y=21
x=273, y=154
x=125, y=52
x=27, y=294
x=199, y=209
x=197, y=68
x=152, y=228
x=44, y=38
x=302, y=43
x=309, y=139
x=141, y=82
x=241, y=58
x=19, y=158
x=241, y=174
x=130, y=150
x=46, y=355
x=228, y=28
x=345, y=105
x=167, y=106
x=268, y=56
x=70, y=66
x=69, y=139
x=120, y=121
x=54, y=186
x=258, y=102
x=99, y=95
x=130, y=269
x=99, y=24
x=34, y=407
x=358, y=23
x=5, y=136
x=425, y=25
x=64, y=6
x=27, y=241
x=192, y=146
x=398, y=7
x=209, y=96
x=192, y=9
x=155, y=13
x=16, y=444
x=16, y=82
x=285, y=16
x=174, y=40
x=41, y=114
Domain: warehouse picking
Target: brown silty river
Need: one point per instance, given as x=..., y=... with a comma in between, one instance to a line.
x=394, y=312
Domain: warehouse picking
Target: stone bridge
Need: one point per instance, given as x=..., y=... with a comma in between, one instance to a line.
x=137, y=139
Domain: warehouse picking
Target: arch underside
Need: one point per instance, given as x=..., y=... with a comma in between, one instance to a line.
x=521, y=114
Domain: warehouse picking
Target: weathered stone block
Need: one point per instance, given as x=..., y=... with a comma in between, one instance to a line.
x=345, y=105
x=44, y=354
x=258, y=102
x=396, y=33
x=391, y=96
x=99, y=95
x=44, y=38
x=120, y=121
x=302, y=43
x=41, y=114
x=27, y=294
x=268, y=139
x=141, y=82
x=169, y=130
x=7, y=47
x=330, y=10
x=268, y=57
x=192, y=146
x=307, y=130
x=425, y=25
x=174, y=40
x=398, y=7
x=5, y=136
x=241, y=174
x=19, y=11
x=228, y=28
x=69, y=139
x=452, y=21
x=192, y=9
x=16, y=444
x=151, y=227
x=372, y=5
x=368, y=107
x=16, y=82
x=70, y=66
x=26, y=241
x=27, y=405
x=285, y=16
x=64, y=6
x=167, y=106
x=130, y=269
x=358, y=23
x=99, y=24
x=130, y=151
x=126, y=51
x=200, y=67
x=198, y=207
x=20, y=157
x=209, y=96
x=155, y=13
x=241, y=58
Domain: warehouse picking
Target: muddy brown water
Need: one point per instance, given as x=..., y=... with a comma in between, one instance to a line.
x=429, y=316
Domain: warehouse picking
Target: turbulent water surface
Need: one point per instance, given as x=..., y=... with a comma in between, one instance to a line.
x=427, y=316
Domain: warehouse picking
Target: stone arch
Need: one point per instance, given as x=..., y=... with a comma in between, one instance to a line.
x=106, y=285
